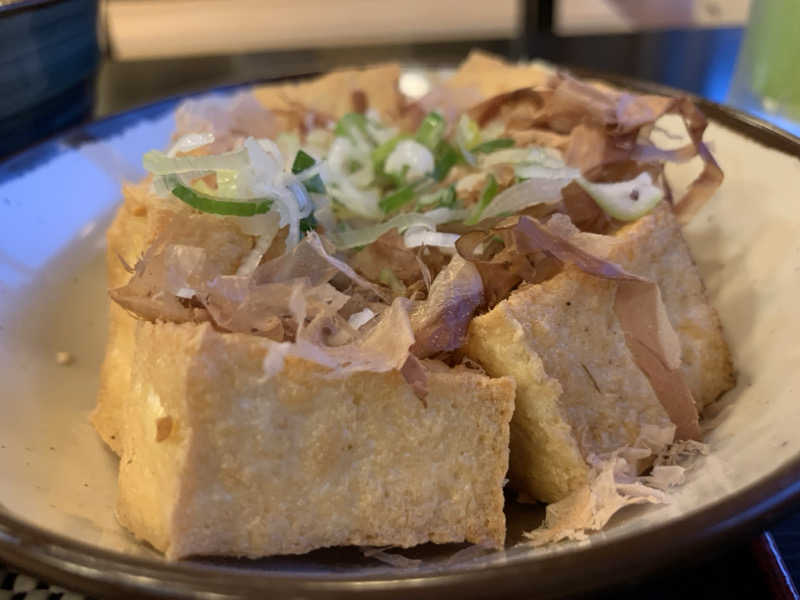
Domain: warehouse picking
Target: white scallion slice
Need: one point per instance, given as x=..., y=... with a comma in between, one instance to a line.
x=468, y=134
x=158, y=163
x=422, y=236
x=367, y=235
x=539, y=171
x=625, y=200
x=189, y=142
x=523, y=195
x=411, y=159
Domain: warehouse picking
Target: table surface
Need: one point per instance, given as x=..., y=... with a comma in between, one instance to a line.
x=699, y=61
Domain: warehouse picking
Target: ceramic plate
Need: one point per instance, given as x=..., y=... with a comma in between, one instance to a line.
x=58, y=481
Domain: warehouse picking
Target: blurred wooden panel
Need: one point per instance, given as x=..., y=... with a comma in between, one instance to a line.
x=171, y=28
x=578, y=17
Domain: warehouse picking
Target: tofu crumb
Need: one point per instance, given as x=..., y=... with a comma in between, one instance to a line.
x=64, y=358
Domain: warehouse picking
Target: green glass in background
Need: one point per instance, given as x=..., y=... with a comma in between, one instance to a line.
x=767, y=78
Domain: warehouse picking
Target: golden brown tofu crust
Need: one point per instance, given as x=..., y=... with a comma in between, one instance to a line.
x=218, y=459
x=254, y=466
x=604, y=400
x=585, y=395
x=134, y=227
x=654, y=248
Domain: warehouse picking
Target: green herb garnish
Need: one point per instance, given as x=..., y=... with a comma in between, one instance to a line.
x=308, y=223
x=382, y=152
x=397, y=199
x=493, y=145
x=218, y=206
x=303, y=161
x=351, y=125
x=431, y=130
x=468, y=134
x=448, y=199
x=445, y=157
x=487, y=195
x=443, y=198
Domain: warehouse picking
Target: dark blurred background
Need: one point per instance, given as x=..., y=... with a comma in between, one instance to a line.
x=690, y=44
x=64, y=61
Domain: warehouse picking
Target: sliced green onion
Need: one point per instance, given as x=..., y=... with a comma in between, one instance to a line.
x=308, y=223
x=159, y=163
x=529, y=193
x=449, y=199
x=625, y=200
x=352, y=165
x=217, y=206
x=440, y=198
x=539, y=171
x=303, y=161
x=354, y=238
x=227, y=184
x=382, y=152
x=493, y=145
x=398, y=180
x=397, y=199
x=468, y=134
x=431, y=130
x=445, y=157
x=351, y=126
x=487, y=195
x=227, y=187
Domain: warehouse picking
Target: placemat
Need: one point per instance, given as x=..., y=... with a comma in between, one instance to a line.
x=16, y=586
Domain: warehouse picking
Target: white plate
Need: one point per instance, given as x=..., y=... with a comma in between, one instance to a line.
x=58, y=481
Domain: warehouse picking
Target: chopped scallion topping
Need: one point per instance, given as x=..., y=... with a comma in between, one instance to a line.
x=382, y=152
x=210, y=204
x=443, y=198
x=397, y=199
x=449, y=198
x=445, y=158
x=625, y=200
x=308, y=223
x=493, y=145
x=487, y=195
x=303, y=161
x=351, y=125
x=431, y=130
x=468, y=134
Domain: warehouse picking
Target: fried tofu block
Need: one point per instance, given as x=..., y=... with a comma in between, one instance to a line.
x=217, y=458
x=654, y=247
x=137, y=223
x=491, y=75
x=579, y=391
x=134, y=227
x=332, y=93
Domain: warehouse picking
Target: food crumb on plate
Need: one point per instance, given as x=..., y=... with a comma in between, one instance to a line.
x=64, y=358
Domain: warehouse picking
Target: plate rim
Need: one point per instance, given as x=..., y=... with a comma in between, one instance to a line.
x=82, y=566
